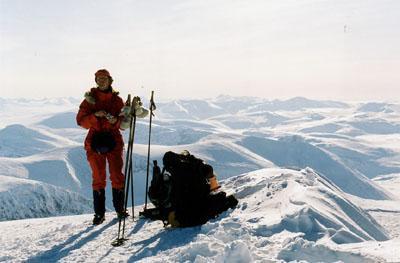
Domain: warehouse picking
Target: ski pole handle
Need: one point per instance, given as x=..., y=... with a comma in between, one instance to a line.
x=152, y=104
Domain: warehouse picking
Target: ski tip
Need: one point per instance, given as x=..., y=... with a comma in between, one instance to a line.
x=118, y=242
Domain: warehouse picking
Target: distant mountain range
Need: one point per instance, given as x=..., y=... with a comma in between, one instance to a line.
x=347, y=143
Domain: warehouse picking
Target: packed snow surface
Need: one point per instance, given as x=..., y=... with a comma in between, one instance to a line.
x=282, y=215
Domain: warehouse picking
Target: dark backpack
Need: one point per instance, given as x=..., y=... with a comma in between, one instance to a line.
x=183, y=187
x=160, y=188
x=190, y=187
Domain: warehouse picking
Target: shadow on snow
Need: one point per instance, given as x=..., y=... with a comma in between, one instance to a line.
x=59, y=251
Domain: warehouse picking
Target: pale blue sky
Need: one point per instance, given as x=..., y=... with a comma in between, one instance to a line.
x=338, y=49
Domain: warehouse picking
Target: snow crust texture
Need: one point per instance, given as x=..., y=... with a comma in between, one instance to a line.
x=283, y=215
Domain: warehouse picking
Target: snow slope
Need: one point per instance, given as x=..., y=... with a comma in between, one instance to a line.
x=235, y=135
x=17, y=140
x=22, y=198
x=285, y=152
x=346, y=210
x=283, y=215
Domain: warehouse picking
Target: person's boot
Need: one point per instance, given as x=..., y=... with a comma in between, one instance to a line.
x=118, y=202
x=99, y=200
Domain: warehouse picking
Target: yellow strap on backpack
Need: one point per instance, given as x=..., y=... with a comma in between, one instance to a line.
x=214, y=183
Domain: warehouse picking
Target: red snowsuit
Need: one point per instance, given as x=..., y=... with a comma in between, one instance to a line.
x=111, y=103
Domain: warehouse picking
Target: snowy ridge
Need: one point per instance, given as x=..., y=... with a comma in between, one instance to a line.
x=67, y=167
x=17, y=140
x=22, y=198
x=284, y=152
x=303, y=201
x=234, y=134
x=282, y=214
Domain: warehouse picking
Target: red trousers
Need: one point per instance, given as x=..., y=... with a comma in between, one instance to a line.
x=98, y=164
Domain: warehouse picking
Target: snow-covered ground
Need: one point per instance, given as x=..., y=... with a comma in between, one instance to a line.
x=344, y=207
x=283, y=215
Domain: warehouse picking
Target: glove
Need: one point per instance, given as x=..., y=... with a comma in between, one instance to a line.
x=125, y=123
x=126, y=111
x=142, y=112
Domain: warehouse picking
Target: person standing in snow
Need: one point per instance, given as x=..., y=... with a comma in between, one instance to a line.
x=100, y=112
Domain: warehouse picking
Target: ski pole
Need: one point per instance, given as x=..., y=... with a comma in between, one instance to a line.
x=128, y=103
x=132, y=186
x=119, y=240
x=152, y=106
x=130, y=172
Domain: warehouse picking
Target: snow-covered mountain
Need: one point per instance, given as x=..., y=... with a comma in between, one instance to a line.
x=344, y=206
x=23, y=198
x=203, y=109
x=234, y=134
x=16, y=140
x=283, y=215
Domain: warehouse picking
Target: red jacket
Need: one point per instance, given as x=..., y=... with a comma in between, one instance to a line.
x=111, y=103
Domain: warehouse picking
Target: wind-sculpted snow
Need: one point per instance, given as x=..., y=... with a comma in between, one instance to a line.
x=309, y=203
x=299, y=249
x=295, y=152
x=282, y=215
x=21, y=198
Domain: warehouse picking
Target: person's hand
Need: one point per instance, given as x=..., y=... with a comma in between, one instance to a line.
x=100, y=113
x=126, y=111
x=112, y=120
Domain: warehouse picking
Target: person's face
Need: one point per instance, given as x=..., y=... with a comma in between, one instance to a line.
x=103, y=82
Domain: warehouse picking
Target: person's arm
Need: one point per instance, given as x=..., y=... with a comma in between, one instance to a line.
x=114, y=118
x=86, y=118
